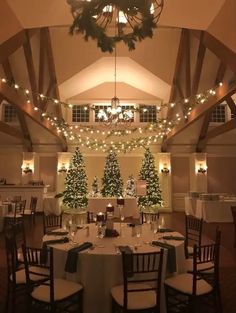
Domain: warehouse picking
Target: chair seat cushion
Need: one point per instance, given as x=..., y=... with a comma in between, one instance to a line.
x=136, y=300
x=20, y=275
x=11, y=215
x=206, y=267
x=27, y=212
x=184, y=283
x=62, y=290
x=190, y=250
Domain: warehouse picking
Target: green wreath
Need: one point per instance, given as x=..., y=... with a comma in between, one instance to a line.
x=84, y=13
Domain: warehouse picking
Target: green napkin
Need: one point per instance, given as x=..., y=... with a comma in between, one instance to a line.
x=171, y=257
x=72, y=256
x=166, y=230
x=57, y=233
x=180, y=238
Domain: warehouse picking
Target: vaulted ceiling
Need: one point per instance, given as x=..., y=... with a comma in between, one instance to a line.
x=193, y=49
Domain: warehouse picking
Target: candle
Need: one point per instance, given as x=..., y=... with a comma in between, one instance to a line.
x=120, y=201
x=110, y=208
x=100, y=217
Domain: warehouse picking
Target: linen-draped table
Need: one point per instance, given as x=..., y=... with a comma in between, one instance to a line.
x=215, y=211
x=100, y=268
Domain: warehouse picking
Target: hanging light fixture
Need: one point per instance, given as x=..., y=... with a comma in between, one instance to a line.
x=115, y=114
x=134, y=19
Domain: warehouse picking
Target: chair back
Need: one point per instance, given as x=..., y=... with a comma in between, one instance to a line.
x=193, y=229
x=14, y=238
x=210, y=256
x=51, y=222
x=33, y=204
x=148, y=217
x=145, y=271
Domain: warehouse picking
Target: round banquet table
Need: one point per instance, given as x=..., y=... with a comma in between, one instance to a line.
x=100, y=268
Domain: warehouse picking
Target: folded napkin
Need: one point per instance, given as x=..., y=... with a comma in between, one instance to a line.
x=171, y=257
x=173, y=237
x=44, y=251
x=72, y=256
x=129, y=259
x=166, y=230
x=57, y=233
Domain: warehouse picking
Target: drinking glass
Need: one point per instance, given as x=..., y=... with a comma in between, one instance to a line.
x=138, y=234
x=155, y=228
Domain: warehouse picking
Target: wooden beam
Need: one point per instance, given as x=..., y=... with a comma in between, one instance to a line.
x=198, y=66
x=41, y=61
x=27, y=142
x=187, y=65
x=221, y=129
x=52, y=69
x=11, y=131
x=225, y=54
x=222, y=92
x=232, y=105
x=20, y=102
x=206, y=121
x=30, y=68
x=12, y=44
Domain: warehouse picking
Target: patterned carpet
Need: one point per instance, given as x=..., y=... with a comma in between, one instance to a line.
x=174, y=220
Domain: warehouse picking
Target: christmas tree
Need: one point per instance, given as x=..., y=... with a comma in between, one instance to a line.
x=112, y=184
x=75, y=194
x=149, y=173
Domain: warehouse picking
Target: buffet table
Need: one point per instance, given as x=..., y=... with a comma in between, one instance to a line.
x=100, y=268
x=99, y=205
x=215, y=211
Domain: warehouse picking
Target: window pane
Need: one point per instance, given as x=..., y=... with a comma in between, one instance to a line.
x=9, y=113
x=80, y=113
x=218, y=114
x=147, y=113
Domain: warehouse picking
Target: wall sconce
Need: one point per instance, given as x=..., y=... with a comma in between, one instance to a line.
x=165, y=170
x=201, y=169
x=26, y=169
x=62, y=169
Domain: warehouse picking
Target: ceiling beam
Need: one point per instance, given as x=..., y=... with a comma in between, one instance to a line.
x=226, y=127
x=51, y=68
x=232, y=105
x=198, y=66
x=27, y=142
x=12, y=44
x=41, y=62
x=206, y=120
x=226, y=55
x=20, y=102
x=222, y=92
x=187, y=65
x=30, y=68
x=11, y=131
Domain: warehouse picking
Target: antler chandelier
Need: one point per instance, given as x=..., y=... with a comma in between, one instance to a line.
x=134, y=19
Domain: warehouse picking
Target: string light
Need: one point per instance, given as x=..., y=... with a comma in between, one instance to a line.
x=162, y=127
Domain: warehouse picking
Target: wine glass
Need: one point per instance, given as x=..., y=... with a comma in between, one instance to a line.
x=155, y=228
x=138, y=234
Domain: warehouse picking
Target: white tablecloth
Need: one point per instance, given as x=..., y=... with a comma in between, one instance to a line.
x=3, y=213
x=100, y=269
x=215, y=211
x=190, y=205
x=99, y=205
x=51, y=205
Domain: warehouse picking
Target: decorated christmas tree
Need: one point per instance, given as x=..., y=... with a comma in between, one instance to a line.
x=75, y=194
x=112, y=184
x=95, y=187
x=149, y=173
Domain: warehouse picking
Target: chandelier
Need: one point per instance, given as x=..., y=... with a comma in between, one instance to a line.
x=115, y=114
x=134, y=19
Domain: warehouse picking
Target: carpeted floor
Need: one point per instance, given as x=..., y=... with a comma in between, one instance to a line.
x=173, y=220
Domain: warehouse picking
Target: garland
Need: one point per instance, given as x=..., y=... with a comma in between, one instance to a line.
x=86, y=16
